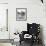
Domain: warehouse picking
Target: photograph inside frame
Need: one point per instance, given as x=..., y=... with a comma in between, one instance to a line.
x=21, y=14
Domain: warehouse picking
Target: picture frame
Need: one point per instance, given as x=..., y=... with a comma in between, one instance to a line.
x=21, y=14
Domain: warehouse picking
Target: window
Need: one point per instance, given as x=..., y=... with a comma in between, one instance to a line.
x=3, y=17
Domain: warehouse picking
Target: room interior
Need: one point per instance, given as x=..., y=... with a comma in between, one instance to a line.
x=12, y=26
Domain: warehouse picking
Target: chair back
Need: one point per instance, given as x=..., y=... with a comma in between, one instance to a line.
x=33, y=28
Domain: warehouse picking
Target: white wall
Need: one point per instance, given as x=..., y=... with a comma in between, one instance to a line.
x=3, y=1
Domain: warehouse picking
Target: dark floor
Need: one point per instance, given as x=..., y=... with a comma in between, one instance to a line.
x=29, y=44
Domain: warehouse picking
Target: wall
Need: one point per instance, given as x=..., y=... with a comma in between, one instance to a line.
x=3, y=1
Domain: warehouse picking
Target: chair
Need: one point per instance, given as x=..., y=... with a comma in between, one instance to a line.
x=33, y=30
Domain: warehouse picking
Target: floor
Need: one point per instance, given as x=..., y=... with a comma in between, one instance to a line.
x=26, y=44
x=5, y=44
x=23, y=44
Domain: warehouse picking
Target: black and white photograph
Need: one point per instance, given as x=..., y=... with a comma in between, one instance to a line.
x=21, y=14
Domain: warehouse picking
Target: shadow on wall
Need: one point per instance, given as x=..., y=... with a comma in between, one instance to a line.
x=41, y=34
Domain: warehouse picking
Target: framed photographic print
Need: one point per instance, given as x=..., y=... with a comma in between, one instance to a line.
x=21, y=14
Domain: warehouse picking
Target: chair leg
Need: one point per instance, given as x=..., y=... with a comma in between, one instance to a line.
x=20, y=42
